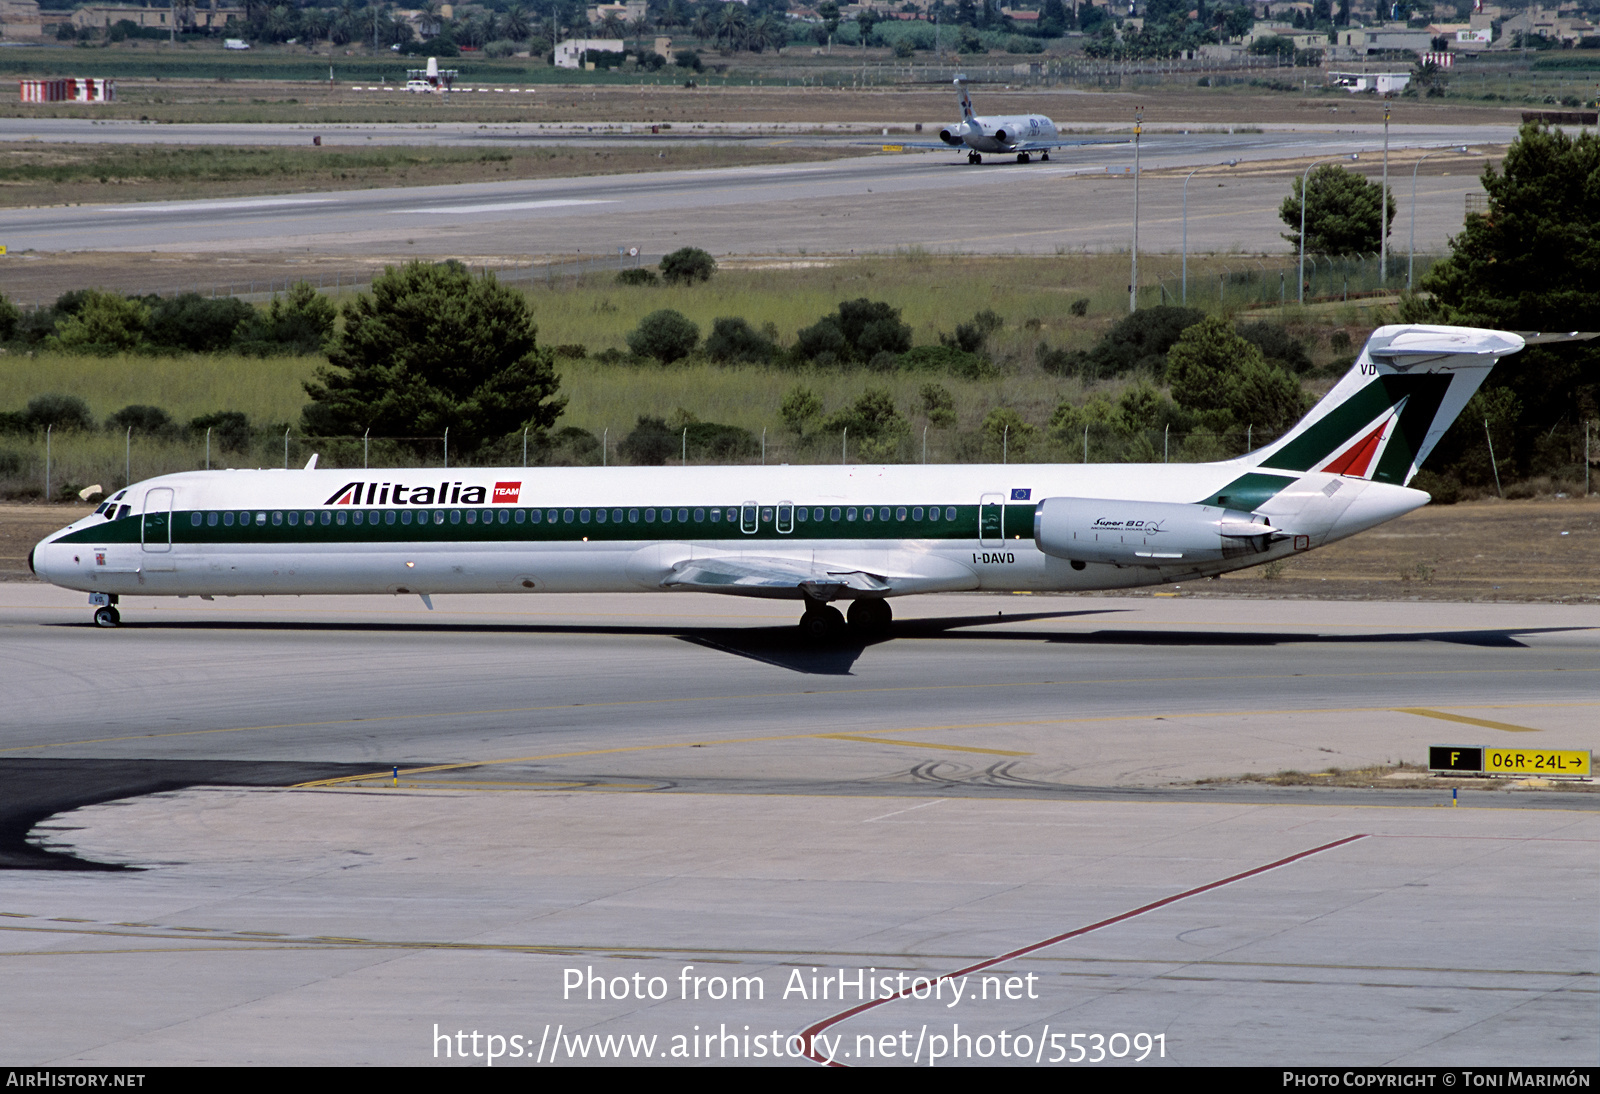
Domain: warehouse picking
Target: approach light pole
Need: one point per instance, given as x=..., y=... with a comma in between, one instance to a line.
x=1383, y=205
x=1186, y=178
x=1305, y=199
x=1411, y=248
x=1133, y=280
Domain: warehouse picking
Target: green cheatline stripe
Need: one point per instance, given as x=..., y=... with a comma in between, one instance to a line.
x=569, y=527
x=1248, y=492
x=1342, y=425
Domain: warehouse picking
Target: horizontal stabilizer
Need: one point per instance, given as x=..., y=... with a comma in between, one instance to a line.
x=1540, y=338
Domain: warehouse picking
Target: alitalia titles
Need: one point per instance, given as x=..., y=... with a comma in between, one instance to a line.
x=446, y=493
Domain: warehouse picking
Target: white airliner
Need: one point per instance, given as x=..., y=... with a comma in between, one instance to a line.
x=816, y=534
x=1022, y=134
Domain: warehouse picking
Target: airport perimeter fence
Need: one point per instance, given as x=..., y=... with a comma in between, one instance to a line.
x=57, y=466
x=1242, y=282
x=36, y=467
x=1246, y=283
x=1044, y=72
x=528, y=273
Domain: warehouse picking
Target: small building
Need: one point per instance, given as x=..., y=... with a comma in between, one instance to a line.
x=629, y=11
x=195, y=18
x=92, y=89
x=1383, y=83
x=569, y=54
x=20, y=19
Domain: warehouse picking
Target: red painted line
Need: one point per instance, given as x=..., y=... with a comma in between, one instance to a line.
x=809, y=1034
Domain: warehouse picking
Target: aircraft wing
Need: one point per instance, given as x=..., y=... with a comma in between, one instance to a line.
x=1026, y=146
x=1045, y=146
x=774, y=575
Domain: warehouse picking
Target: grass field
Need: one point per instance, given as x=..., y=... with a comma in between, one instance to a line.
x=934, y=293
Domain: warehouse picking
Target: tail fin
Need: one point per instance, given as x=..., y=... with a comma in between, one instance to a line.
x=1388, y=412
x=966, y=100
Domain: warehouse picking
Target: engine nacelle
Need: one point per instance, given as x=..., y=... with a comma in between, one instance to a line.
x=1147, y=533
x=950, y=137
x=1000, y=135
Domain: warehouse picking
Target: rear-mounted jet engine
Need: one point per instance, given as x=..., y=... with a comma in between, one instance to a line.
x=1147, y=533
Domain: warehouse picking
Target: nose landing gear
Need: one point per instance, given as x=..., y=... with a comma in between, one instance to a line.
x=105, y=606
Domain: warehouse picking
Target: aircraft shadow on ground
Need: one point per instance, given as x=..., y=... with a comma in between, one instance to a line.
x=785, y=647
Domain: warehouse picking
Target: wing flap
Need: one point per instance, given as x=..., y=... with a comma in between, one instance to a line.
x=888, y=574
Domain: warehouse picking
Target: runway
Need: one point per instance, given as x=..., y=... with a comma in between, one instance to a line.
x=635, y=784
x=878, y=202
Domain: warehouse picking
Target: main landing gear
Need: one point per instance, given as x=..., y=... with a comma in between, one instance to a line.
x=973, y=157
x=868, y=620
x=105, y=609
x=1023, y=157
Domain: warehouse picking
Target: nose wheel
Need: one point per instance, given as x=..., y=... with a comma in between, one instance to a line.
x=107, y=617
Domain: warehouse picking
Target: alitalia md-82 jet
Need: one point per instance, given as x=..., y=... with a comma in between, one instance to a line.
x=814, y=534
x=1024, y=135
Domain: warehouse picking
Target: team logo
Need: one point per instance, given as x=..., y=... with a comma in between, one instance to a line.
x=506, y=493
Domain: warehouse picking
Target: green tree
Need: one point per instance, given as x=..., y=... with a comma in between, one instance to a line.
x=10, y=319
x=298, y=323
x=735, y=340
x=1212, y=368
x=194, y=322
x=939, y=405
x=800, y=407
x=666, y=335
x=650, y=443
x=828, y=12
x=687, y=265
x=56, y=412
x=875, y=425
x=104, y=323
x=1006, y=435
x=1531, y=262
x=434, y=348
x=1342, y=214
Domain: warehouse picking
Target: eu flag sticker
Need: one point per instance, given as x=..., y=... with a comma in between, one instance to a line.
x=1021, y=493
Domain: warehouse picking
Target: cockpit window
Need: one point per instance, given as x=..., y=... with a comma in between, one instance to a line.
x=123, y=511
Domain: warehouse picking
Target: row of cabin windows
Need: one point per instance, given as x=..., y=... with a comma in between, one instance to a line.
x=785, y=516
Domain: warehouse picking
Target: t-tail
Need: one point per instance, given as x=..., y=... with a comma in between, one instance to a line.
x=1381, y=420
x=966, y=100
